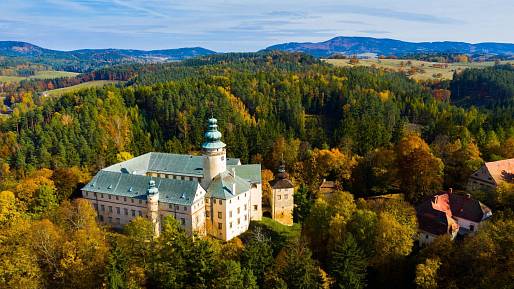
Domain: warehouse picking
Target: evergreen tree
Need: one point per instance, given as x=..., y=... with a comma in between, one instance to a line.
x=348, y=265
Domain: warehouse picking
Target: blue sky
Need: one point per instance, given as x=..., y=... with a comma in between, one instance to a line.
x=247, y=25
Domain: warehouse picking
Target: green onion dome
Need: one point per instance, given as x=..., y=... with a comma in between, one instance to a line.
x=213, y=136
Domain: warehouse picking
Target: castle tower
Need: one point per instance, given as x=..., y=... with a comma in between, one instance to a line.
x=152, y=195
x=214, y=153
x=282, y=201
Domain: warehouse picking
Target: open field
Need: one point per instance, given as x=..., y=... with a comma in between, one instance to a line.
x=288, y=232
x=419, y=70
x=43, y=74
x=89, y=84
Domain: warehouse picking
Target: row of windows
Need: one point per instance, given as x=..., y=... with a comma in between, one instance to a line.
x=117, y=198
x=117, y=220
x=171, y=206
x=177, y=207
x=118, y=210
x=175, y=177
x=220, y=214
x=280, y=197
x=220, y=201
x=220, y=225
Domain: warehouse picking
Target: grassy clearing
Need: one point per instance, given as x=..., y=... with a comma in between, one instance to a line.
x=43, y=74
x=288, y=232
x=89, y=84
x=423, y=70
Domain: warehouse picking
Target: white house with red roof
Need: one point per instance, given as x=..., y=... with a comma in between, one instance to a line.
x=449, y=213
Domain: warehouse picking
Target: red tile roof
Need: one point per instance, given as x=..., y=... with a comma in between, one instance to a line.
x=437, y=214
x=501, y=170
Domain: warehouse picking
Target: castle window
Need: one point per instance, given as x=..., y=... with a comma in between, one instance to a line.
x=95, y=195
x=118, y=221
x=140, y=202
x=245, y=207
x=96, y=206
x=117, y=198
x=220, y=226
x=230, y=225
x=133, y=213
x=176, y=207
x=140, y=213
x=220, y=215
x=101, y=196
x=230, y=214
x=246, y=217
x=238, y=210
x=255, y=207
x=109, y=197
x=118, y=210
x=182, y=221
x=103, y=208
x=110, y=219
x=207, y=214
x=110, y=209
x=185, y=208
x=101, y=218
x=279, y=197
x=221, y=202
x=238, y=221
x=124, y=199
x=126, y=211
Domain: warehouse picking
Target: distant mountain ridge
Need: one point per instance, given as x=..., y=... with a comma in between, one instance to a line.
x=361, y=45
x=86, y=59
x=24, y=49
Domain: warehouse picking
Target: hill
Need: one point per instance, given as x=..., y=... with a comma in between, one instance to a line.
x=87, y=59
x=416, y=69
x=493, y=86
x=361, y=45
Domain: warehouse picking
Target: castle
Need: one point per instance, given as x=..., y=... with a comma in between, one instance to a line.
x=208, y=194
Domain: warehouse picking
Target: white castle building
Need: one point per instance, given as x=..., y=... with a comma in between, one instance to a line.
x=208, y=194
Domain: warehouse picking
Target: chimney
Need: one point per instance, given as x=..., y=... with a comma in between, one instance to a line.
x=234, y=188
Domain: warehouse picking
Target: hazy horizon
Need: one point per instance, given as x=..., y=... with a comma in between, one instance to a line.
x=233, y=26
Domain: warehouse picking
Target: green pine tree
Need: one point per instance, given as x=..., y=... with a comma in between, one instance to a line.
x=348, y=265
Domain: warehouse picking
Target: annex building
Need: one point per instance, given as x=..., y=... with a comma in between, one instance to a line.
x=208, y=194
x=491, y=174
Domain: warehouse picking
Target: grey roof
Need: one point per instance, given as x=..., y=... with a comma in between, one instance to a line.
x=222, y=186
x=281, y=184
x=182, y=164
x=180, y=192
x=166, y=163
x=251, y=172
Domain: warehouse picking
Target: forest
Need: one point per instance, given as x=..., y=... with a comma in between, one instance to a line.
x=373, y=132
